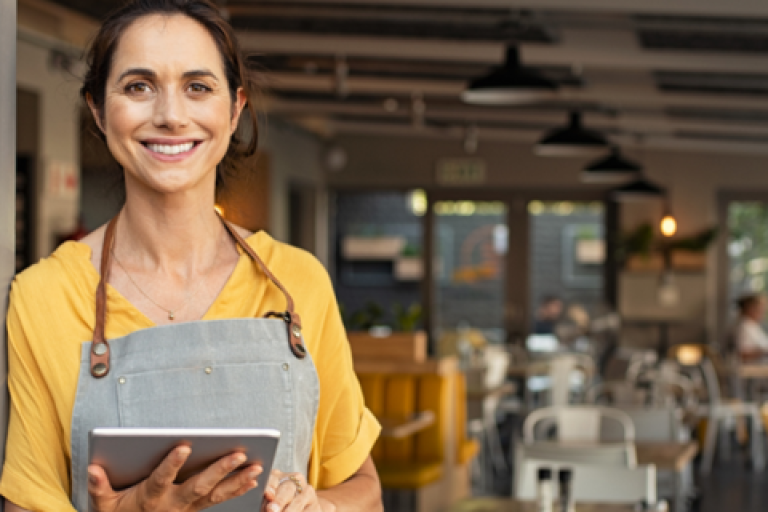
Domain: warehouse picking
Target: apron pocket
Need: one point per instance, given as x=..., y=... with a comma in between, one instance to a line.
x=244, y=395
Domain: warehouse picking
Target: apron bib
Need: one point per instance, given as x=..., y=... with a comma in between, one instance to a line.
x=232, y=373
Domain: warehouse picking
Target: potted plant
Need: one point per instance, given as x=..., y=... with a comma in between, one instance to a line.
x=371, y=339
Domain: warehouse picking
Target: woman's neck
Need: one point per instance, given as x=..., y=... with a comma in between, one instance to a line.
x=173, y=235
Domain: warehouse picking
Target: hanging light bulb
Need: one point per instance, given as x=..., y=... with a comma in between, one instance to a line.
x=668, y=225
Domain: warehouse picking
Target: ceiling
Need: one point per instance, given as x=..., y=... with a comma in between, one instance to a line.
x=679, y=74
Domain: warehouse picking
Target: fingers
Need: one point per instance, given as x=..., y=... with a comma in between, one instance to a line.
x=99, y=487
x=201, y=485
x=306, y=501
x=287, y=494
x=237, y=484
x=164, y=475
x=274, y=479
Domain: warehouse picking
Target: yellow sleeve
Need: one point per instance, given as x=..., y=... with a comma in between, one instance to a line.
x=345, y=430
x=36, y=471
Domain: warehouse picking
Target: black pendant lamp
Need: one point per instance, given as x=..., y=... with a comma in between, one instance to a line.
x=573, y=140
x=508, y=85
x=640, y=190
x=614, y=168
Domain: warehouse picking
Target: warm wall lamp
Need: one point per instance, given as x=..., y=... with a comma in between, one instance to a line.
x=509, y=84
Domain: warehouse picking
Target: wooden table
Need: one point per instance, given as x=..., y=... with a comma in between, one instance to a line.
x=753, y=371
x=400, y=429
x=499, y=391
x=671, y=456
x=512, y=505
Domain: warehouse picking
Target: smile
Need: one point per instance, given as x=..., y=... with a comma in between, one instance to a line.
x=166, y=149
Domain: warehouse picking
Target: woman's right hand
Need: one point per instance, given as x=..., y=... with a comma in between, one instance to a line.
x=158, y=492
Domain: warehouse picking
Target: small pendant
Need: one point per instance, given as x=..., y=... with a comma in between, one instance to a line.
x=170, y=315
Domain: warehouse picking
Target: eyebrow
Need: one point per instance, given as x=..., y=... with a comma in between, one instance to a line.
x=149, y=73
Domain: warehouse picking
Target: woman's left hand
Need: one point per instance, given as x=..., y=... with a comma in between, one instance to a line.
x=290, y=492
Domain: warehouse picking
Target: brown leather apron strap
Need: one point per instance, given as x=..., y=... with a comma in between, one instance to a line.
x=290, y=316
x=100, y=345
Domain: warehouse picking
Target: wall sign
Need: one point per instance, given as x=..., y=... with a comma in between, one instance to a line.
x=454, y=172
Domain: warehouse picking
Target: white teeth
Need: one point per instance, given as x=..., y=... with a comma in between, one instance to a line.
x=166, y=149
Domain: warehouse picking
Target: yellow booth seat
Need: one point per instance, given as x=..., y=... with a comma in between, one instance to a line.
x=417, y=460
x=466, y=449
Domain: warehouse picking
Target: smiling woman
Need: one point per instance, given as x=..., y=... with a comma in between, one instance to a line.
x=188, y=291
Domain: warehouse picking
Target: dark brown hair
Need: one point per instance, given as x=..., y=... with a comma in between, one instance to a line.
x=103, y=46
x=747, y=301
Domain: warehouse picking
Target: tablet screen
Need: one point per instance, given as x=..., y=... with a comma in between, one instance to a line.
x=129, y=455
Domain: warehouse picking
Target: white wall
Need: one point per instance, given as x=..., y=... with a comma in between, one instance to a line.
x=58, y=138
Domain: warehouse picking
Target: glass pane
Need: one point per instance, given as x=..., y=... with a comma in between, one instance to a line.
x=567, y=256
x=747, y=248
x=470, y=262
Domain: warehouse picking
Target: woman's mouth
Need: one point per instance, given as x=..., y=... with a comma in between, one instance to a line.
x=171, y=152
x=170, y=149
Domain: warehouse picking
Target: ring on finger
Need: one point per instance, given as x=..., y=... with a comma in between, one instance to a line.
x=295, y=480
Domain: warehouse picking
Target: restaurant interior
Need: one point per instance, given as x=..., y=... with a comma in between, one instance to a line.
x=539, y=217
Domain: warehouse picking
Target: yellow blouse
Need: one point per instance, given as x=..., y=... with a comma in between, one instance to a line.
x=52, y=312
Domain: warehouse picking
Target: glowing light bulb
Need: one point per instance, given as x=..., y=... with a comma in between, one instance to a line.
x=668, y=225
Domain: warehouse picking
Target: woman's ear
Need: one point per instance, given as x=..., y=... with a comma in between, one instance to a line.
x=240, y=100
x=95, y=112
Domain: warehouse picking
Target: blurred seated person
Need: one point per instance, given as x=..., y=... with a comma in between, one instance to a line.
x=747, y=336
x=548, y=315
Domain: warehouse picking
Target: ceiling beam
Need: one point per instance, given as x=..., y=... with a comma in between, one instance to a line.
x=584, y=56
x=537, y=121
x=732, y=8
x=660, y=142
x=617, y=96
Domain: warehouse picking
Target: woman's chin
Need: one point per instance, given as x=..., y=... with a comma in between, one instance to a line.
x=172, y=183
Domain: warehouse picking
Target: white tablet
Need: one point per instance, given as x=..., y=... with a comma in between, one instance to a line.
x=129, y=455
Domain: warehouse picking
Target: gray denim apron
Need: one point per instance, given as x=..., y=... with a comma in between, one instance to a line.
x=234, y=373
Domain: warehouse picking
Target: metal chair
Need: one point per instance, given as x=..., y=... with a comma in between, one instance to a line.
x=718, y=409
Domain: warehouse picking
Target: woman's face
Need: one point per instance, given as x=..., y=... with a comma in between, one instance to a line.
x=168, y=114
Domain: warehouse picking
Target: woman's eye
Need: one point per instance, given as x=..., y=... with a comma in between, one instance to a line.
x=137, y=87
x=199, y=88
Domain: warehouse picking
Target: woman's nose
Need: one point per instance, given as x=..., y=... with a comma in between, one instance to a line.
x=170, y=110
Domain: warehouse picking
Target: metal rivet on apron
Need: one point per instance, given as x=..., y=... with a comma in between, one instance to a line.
x=285, y=366
x=121, y=380
x=296, y=331
x=99, y=369
x=208, y=369
x=100, y=349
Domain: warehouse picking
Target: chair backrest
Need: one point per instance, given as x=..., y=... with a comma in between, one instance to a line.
x=652, y=424
x=619, y=393
x=707, y=361
x=592, y=483
x=563, y=372
x=622, y=455
x=578, y=423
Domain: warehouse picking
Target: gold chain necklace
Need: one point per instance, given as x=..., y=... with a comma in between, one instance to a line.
x=171, y=312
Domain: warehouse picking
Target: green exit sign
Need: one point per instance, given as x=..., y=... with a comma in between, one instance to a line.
x=461, y=171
